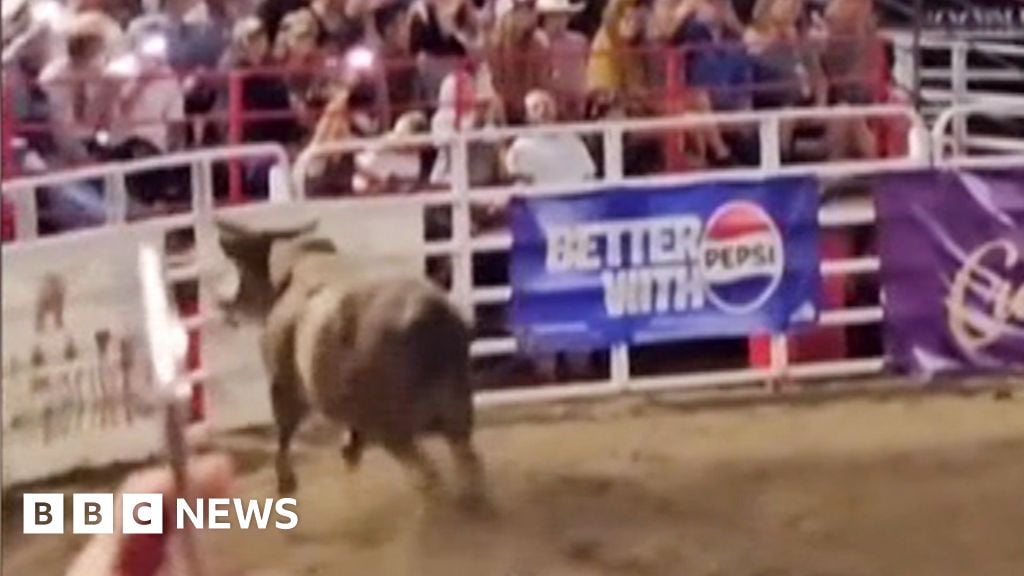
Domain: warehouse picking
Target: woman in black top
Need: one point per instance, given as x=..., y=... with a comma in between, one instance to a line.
x=267, y=110
x=443, y=34
x=266, y=101
x=340, y=24
x=272, y=12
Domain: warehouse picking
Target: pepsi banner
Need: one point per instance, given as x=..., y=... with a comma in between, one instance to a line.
x=952, y=250
x=647, y=265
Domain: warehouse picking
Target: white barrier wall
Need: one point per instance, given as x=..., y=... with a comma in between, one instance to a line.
x=83, y=403
x=75, y=371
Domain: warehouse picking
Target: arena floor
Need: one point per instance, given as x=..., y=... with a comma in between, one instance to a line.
x=925, y=486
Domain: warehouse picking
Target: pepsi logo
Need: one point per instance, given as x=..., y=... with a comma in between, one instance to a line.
x=741, y=257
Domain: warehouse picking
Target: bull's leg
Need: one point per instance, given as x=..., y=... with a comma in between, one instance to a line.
x=277, y=345
x=425, y=476
x=289, y=411
x=352, y=448
x=457, y=419
x=286, y=480
x=470, y=469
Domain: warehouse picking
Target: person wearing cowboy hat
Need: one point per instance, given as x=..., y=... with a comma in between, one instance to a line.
x=79, y=102
x=567, y=52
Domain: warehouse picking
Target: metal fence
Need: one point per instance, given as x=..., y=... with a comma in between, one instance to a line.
x=462, y=245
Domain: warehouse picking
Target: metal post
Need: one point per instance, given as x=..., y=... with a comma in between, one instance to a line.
x=614, y=171
x=202, y=194
x=958, y=69
x=771, y=161
x=26, y=213
x=613, y=158
x=916, y=52
x=202, y=212
x=116, y=197
x=462, y=265
x=771, y=143
x=195, y=184
x=903, y=66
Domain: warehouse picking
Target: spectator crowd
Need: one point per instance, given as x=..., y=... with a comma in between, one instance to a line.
x=88, y=81
x=93, y=80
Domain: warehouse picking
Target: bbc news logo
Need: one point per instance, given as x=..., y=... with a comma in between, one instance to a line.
x=144, y=513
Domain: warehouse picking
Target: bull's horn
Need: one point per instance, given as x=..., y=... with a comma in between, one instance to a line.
x=232, y=228
x=294, y=231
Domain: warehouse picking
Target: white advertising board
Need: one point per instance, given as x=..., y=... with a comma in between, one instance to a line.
x=76, y=386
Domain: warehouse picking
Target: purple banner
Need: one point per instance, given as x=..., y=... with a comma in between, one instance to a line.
x=952, y=249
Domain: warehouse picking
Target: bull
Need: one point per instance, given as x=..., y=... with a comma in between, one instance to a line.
x=383, y=356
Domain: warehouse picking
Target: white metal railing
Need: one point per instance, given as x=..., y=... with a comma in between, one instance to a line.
x=956, y=84
x=926, y=150
x=23, y=191
x=961, y=141
x=957, y=76
x=462, y=246
x=767, y=121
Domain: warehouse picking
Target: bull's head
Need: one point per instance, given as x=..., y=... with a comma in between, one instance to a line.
x=249, y=250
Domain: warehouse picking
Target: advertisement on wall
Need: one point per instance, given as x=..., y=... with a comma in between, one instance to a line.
x=76, y=381
x=648, y=265
x=952, y=250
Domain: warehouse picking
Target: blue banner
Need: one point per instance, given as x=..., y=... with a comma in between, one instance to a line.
x=647, y=265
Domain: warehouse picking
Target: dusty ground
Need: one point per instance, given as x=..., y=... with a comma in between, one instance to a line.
x=925, y=486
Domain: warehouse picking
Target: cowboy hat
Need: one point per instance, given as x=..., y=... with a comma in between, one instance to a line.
x=94, y=24
x=558, y=6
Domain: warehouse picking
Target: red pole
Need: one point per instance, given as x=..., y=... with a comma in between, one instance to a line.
x=236, y=111
x=673, y=104
x=7, y=228
x=188, y=309
x=890, y=135
x=9, y=166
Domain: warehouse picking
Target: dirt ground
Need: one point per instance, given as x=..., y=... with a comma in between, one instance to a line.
x=929, y=486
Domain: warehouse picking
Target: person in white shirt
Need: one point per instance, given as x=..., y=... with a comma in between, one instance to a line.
x=548, y=158
x=79, y=103
x=567, y=54
x=151, y=101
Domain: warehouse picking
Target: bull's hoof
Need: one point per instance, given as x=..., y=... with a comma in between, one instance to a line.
x=351, y=461
x=352, y=454
x=287, y=485
x=477, y=504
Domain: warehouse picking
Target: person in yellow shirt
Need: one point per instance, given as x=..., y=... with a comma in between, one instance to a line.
x=617, y=59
